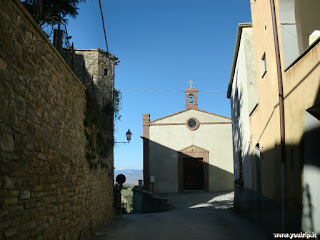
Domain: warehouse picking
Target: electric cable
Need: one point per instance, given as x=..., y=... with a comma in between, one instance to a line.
x=153, y=90
x=104, y=29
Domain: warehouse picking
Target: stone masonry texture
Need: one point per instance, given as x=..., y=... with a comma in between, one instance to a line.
x=95, y=69
x=47, y=189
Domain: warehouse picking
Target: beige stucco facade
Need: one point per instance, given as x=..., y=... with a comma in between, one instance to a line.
x=300, y=71
x=170, y=137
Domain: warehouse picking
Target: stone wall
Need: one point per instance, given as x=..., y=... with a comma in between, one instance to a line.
x=48, y=190
x=95, y=69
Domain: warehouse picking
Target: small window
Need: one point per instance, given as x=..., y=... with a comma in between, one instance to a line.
x=191, y=99
x=105, y=72
x=193, y=124
x=263, y=65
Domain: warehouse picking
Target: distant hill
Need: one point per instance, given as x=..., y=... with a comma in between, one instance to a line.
x=132, y=175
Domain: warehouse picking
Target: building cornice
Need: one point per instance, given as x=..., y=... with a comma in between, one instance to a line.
x=235, y=55
x=177, y=124
x=109, y=55
x=177, y=113
x=193, y=148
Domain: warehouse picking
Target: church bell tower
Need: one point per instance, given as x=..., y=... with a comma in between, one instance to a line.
x=191, y=97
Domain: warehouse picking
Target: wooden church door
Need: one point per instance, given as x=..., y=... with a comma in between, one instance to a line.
x=193, y=174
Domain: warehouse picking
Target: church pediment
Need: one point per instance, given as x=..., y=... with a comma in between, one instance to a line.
x=193, y=148
x=182, y=116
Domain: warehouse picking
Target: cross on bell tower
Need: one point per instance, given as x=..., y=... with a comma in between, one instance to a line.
x=191, y=97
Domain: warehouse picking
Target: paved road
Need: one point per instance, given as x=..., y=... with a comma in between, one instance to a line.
x=198, y=215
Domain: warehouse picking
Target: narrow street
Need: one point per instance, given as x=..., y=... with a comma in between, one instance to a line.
x=197, y=215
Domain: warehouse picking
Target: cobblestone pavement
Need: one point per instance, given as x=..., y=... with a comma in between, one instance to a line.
x=197, y=215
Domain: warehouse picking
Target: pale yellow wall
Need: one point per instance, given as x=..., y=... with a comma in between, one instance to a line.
x=265, y=122
x=167, y=140
x=301, y=84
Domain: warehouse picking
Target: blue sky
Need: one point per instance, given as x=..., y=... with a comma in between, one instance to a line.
x=161, y=45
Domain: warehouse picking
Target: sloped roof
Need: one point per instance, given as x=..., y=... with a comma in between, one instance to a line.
x=235, y=55
x=177, y=113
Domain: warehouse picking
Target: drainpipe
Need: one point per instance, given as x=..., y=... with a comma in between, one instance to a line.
x=281, y=109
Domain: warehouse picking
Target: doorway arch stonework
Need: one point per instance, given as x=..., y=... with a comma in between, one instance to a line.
x=194, y=152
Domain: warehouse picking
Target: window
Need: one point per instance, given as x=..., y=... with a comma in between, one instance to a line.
x=191, y=99
x=105, y=72
x=193, y=124
x=263, y=65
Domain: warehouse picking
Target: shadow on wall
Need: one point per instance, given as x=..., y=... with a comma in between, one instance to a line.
x=98, y=120
x=78, y=65
x=94, y=68
x=302, y=175
x=174, y=171
x=42, y=127
x=310, y=170
x=240, y=139
x=262, y=206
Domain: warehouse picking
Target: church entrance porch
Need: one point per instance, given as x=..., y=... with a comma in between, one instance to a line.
x=193, y=169
x=193, y=176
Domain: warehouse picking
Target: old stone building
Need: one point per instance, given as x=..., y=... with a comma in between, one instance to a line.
x=95, y=69
x=187, y=150
x=56, y=172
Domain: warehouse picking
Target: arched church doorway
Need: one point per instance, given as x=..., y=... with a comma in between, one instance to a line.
x=193, y=174
x=193, y=169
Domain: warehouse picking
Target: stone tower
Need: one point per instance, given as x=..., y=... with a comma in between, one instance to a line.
x=95, y=69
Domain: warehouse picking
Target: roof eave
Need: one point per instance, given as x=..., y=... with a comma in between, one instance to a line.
x=171, y=115
x=235, y=55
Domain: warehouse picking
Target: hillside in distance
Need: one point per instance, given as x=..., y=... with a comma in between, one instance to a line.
x=132, y=175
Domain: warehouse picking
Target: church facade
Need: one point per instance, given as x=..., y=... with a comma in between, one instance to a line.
x=187, y=151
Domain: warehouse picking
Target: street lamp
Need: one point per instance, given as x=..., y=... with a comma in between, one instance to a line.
x=128, y=135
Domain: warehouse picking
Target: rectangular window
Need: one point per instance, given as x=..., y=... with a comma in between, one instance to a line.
x=105, y=71
x=263, y=65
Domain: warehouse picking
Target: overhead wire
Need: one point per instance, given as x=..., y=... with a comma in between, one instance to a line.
x=105, y=38
x=104, y=29
x=153, y=90
x=141, y=90
x=163, y=90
